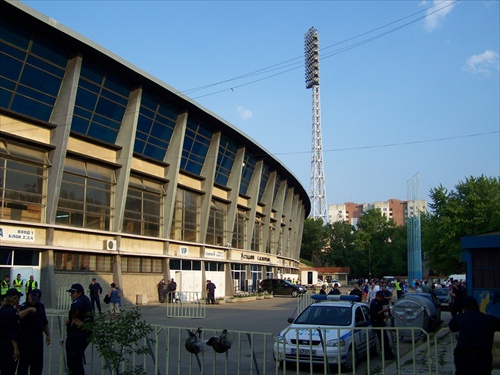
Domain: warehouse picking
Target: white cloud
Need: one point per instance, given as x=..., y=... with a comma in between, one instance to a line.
x=483, y=63
x=437, y=12
x=244, y=113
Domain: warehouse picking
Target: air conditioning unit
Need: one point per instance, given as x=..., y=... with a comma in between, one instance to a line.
x=110, y=245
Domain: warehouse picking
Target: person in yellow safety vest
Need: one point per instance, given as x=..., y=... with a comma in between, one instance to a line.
x=18, y=283
x=31, y=284
x=4, y=287
x=399, y=289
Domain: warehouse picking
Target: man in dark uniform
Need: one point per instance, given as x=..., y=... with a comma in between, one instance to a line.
x=77, y=338
x=377, y=317
x=335, y=290
x=33, y=324
x=473, y=353
x=9, y=325
x=172, y=287
x=95, y=294
x=357, y=292
x=210, y=292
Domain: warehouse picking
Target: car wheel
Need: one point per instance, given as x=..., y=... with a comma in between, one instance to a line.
x=352, y=356
x=295, y=293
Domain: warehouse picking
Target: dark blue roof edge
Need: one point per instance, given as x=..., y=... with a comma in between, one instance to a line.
x=482, y=241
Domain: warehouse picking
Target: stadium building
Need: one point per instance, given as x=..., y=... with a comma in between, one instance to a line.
x=106, y=171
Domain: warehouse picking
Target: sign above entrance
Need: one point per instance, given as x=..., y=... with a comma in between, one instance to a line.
x=210, y=253
x=17, y=234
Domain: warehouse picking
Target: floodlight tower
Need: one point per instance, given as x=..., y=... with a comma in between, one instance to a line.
x=317, y=188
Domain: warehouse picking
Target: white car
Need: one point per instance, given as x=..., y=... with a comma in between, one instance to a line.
x=333, y=282
x=325, y=328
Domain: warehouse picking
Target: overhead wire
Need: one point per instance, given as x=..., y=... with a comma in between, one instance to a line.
x=293, y=64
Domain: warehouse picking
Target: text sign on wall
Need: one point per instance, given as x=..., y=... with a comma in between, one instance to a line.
x=219, y=254
x=17, y=234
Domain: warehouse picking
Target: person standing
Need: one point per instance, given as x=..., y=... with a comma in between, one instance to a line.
x=30, y=285
x=399, y=289
x=172, y=287
x=34, y=324
x=323, y=289
x=161, y=286
x=18, y=283
x=114, y=301
x=95, y=294
x=377, y=316
x=211, y=292
x=473, y=352
x=9, y=325
x=357, y=292
x=4, y=287
x=335, y=291
x=77, y=338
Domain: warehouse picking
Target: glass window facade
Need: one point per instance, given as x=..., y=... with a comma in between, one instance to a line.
x=263, y=181
x=154, y=128
x=186, y=219
x=256, y=244
x=142, y=265
x=87, y=191
x=100, y=105
x=217, y=224
x=82, y=262
x=196, y=143
x=23, y=172
x=32, y=69
x=185, y=264
x=144, y=207
x=225, y=160
x=240, y=230
x=248, y=169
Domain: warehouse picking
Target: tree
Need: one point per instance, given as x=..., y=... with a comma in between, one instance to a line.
x=472, y=208
x=314, y=239
x=381, y=243
x=341, y=237
x=116, y=340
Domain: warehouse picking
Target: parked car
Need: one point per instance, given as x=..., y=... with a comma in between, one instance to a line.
x=335, y=281
x=443, y=296
x=280, y=287
x=324, y=328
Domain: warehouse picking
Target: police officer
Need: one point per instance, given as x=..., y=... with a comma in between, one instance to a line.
x=95, y=294
x=4, y=287
x=378, y=309
x=473, y=353
x=33, y=324
x=9, y=325
x=30, y=285
x=18, y=283
x=77, y=338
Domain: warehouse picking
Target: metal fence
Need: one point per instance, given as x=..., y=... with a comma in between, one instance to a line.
x=254, y=353
x=186, y=305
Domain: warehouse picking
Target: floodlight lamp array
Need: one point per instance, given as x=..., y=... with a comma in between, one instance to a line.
x=311, y=52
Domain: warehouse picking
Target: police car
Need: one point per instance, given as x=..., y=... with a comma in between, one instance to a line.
x=326, y=332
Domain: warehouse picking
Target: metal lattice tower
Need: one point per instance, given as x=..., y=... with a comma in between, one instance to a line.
x=414, y=230
x=317, y=188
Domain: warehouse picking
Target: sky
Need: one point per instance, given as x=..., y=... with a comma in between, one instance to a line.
x=409, y=90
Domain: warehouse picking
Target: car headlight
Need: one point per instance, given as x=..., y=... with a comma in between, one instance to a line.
x=335, y=343
x=280, y=339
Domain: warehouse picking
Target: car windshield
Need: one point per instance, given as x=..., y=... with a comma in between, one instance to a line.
x=442, y=292
x=325, y=315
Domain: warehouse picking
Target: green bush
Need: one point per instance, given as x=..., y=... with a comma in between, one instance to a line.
x=118, y=340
